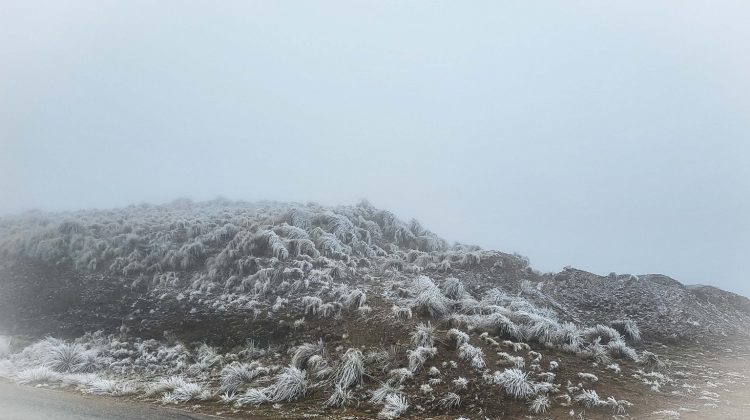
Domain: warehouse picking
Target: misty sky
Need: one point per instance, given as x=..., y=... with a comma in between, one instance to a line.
x=611, y=136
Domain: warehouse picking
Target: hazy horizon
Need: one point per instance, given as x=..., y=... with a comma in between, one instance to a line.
x=609, y=137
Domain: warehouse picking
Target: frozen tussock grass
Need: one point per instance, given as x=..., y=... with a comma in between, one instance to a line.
x=603, y=333
x=428, y=297
x=450, y=400
x=400, y=375
x=239, y=375
x=590, y=399
x=628, y=328
x=305, y=351
x=176, y=389
x=419, y=356
x=68, y=357
x=459, y=337
x=395, y=405
x=453, y=288
x=378, y=396
x=423, y=335
x=351, y=369
x=37, y=375
x=340, y=397
x=474, y=355
x=652, y=361
x=289, y=385
x=401, y=313
x=540, y=404
x=102, y=386
x=515, y=382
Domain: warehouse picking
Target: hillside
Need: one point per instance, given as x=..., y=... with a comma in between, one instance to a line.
x=296, y=310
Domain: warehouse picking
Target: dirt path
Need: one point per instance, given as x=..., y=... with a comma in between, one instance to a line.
x=28, y=403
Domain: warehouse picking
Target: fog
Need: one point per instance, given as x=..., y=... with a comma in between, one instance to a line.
x=611, y=136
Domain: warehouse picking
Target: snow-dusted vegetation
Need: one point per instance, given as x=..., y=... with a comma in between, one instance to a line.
x=353, y=308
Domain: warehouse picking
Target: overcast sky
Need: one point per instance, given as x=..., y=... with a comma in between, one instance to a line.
x=611, y=136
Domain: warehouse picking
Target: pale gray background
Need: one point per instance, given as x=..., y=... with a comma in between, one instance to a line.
x=612, y=136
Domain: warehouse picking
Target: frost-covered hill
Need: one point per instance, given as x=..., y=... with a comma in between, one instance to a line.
x=271, y=308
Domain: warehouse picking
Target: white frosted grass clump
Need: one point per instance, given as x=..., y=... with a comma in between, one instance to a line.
x=515, y=382
x=589, y=399
x=41, y=374
x=378, y=396
x=65, y=357
x=419, y=356
x=453, y=288
x=652, y=361
x=540, y=404
x=312, y=304
x=460, y=383
x=305, y=351
x=351, y=369
x=629, y=328
x=423, y=335
x=401, y=313
x=289, y=385
x=603, y=333
x=400, y=375
x=450, y=400
x=253, y=396
x=354, y=299
x=102, y=386
x=238, y=375
x=474, y=355
x=340, y=397
x=618, y=348
x=188, y=391
x=458, y=336
x=394, y=406
x=428, y=297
